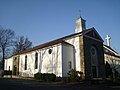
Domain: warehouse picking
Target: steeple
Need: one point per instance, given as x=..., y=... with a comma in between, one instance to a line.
x=80, y=25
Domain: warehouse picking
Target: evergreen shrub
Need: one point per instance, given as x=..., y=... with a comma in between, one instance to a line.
x=45, y=76
x=74, y=75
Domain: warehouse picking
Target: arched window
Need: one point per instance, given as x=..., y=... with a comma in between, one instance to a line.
x=36, y=60
x=70, y=64
x=50, y=51
x=94, y=57
x=26, y=62
x=94, y=61
x=9, y=68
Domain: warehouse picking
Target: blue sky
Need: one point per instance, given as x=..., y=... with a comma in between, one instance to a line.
x=45, y=20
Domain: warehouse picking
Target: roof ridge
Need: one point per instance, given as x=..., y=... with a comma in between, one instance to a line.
x=110, y=48
x=59, y=40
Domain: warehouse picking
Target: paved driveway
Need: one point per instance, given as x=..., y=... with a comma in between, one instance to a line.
x=17, y=84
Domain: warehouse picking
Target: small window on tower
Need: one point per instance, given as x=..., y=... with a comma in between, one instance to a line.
x=70, y=65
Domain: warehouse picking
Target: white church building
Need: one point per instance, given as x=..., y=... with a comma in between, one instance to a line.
x=82, y=51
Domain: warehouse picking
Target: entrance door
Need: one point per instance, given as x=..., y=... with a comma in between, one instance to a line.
x=94, y=71
x=94, y=62
x=16, y=65
x=14, y=70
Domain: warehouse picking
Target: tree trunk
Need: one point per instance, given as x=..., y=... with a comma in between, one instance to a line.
x=3, y=58
x=3, y=61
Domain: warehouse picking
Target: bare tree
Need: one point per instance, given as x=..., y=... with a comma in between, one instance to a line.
x=21, y=43
x=6, y=41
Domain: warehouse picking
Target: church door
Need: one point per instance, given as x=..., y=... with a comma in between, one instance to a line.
x=16, y=65
x=94, y=72
x=14, y=70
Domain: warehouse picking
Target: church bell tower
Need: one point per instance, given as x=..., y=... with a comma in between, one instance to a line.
x=80, y=25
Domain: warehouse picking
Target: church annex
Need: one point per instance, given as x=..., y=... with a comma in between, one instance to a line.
x=82, y=51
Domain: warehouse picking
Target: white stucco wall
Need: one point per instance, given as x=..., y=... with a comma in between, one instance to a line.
x=67, y=56
x=47, y=63
x=51, y=63
x=8, y=63
x=76, y=43
x=30, y=64
x=56, y=62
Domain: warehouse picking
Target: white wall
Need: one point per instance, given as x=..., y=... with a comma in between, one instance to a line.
x=47, y=63
x=30, y=64
x=51, y=63
x=67, y=56
x=76, y=43
x=8, y=63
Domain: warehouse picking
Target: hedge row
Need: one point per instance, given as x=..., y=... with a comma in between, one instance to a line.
x=7, y=72
x=45, y=76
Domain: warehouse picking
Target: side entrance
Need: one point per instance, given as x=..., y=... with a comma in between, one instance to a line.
x=15, y=70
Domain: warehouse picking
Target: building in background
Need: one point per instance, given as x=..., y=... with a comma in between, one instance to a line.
x=112, y=58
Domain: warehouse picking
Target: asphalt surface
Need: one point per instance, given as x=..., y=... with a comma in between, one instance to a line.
x=18, y=84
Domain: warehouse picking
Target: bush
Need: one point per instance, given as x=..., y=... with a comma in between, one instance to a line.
x=37, y=76
x=50, y=77
x=7, y=72
x=45, y=76
x=74, y=75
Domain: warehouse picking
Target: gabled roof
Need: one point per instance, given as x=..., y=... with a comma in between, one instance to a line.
x=93, y=34
x=57, y=41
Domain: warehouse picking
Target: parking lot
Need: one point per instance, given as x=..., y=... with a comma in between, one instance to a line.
x=20, y=84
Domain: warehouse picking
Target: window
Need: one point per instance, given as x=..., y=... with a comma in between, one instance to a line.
x=25, y=62
x=50, y=51
x=94, y=62
x=93, y=51
x=36, y=60
x=70, y=65
x=94, y=57
x=15, y=58
x=9, y=68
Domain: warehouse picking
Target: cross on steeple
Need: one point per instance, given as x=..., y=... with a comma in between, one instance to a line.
x=108, y=40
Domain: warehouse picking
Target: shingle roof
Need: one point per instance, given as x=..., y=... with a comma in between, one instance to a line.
x=60, y=40
x=110, y=48
x=43, y=45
